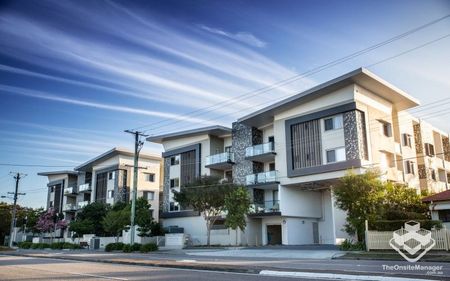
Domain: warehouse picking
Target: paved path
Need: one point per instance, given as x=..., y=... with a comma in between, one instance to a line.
x=26, y=268
x=269, y=253
x=180, y=259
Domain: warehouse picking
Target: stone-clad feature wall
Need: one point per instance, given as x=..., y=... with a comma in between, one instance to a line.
x=355, y=135
x=446, y=146
x=166, y=184
x=244, y=136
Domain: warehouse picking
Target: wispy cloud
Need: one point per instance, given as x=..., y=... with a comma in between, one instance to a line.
x=241, y=36
x=45, y=96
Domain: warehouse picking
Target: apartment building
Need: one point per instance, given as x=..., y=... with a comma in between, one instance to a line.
x=107, y=178
x=290, y=155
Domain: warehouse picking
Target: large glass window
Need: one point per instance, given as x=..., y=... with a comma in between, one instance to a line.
x=175, y=160
x=333, y=123
x=336, y=155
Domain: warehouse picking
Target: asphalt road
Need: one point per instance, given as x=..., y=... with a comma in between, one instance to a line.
x=26, y=268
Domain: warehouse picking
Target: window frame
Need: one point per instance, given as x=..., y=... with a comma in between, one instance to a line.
x=110, y=194
x=335, y=155
x=149, y=177
x=334, y=124
x=174, y=160
x=174, y=181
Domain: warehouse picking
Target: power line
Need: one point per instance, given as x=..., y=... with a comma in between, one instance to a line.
x=305, y=74
x=290, y=94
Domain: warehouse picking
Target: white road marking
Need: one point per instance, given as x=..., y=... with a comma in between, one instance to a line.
x=334, y=276
x=187, y=261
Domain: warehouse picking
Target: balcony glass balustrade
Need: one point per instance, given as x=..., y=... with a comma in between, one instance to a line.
x=82, y=204
x=84, y=187
x=260, y=178
x=225, y=157
x=69, y=207
x=70, y=190
x=260, y=149
x=265, y=207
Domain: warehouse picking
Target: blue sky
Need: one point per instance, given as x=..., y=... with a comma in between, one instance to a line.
x=75, y=74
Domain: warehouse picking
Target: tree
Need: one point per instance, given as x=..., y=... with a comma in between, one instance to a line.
x=144, y=220
x=49, y=221
x=116, y=221
x=366, y=197
x=24, y=215
x=206, y=195
x=237, y=204
x=360, y=196
x=93, y=214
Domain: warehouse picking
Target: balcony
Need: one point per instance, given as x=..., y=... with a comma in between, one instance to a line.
x=85, y=187
x=69, y=208
x=70, y=191
x=261, y=153
x=82, y=204
x=266, y=208
x=221, y=161
x=264, y=180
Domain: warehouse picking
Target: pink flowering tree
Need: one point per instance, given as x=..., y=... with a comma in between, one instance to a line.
x=50, y=221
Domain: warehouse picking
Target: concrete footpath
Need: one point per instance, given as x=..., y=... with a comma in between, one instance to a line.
x=275, y=262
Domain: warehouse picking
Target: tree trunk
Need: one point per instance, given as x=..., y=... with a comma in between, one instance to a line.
x=208, y=239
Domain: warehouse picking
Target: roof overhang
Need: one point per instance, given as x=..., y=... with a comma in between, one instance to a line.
x=361, y=77
x=211, y=130
x=53, y=173
x=87, y=166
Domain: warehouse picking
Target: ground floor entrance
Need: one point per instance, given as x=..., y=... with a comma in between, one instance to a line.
x=274, y=234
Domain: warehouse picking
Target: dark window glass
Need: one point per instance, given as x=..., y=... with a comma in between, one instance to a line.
x=331, y=156
x=271, y=166
x=329, y=124
x=174, y=182
x=175, y=160
x=444, y=215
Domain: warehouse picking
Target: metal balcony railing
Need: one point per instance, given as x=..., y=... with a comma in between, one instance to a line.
x=259, y=149
x=265, y=207
x=84, y=187
x=259, y=178
x=226, y=157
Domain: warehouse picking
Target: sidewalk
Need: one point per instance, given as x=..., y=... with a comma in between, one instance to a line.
x=239, y=263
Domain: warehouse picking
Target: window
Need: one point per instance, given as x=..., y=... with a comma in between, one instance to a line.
x=174, y=160
x=173, y=207
x=219, y=224
x=51, y=204
x=407, y=140
x=272, y=166
x=386, y=128
x=174, y=183
x=433, y=174
x=52, y=189
x=336, y=155
x=149, y=195
x=110, y=193
x=229, y=175
x=111, y=175
x=444, y=215
x=409, y=167
x=429, y=149
x=333, y=123
x=149, y=177
x=228, y=149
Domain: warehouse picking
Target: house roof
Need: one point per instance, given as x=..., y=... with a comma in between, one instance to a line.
x=63, y=172
x=215, y=130
x=441, y=196
x=111, y=153
x=360, y=76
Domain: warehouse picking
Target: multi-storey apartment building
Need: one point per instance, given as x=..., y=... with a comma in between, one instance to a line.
x=107, y=178
x=290, y=155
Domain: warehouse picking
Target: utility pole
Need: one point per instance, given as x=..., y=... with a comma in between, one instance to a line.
x=138, y=144
x=16, y=193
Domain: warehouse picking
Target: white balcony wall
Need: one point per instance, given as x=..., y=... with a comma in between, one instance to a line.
x=295, y=202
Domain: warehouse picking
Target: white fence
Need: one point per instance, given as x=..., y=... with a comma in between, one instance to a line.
x=379, y=240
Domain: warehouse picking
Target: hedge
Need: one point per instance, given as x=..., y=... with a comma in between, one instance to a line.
x=392, y=225
x=54, y=246
x=149, y=247
x=114, y=247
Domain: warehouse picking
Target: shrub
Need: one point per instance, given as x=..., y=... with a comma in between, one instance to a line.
x=392, y=225
x=57, y=245
x=34, y=245
x=127, y=248
x=149, y=247
x=24, y=245
x=136, y=247
x=114, y=247
x=348, y=245
x=43, y=245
